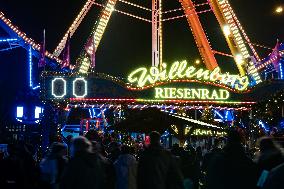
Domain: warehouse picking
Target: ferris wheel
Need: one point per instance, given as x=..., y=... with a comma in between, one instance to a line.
x=242, y=49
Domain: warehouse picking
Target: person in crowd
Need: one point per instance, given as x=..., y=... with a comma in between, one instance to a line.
x=126, y=169
x=275, y=178
x=208, y=156
x=113, y=151
x=175, y=150
x=99, y=149
x=270, y=154
x=92, y=135
x=107, y=166
x=68, y=142
x=1, y=155
x=232, y=168
x=52, y=166
x=199, y=153
x=157, y=168
x=84, y=169
x=190, y=166
x=18, y=169
x=9, y=178
x=29, y=164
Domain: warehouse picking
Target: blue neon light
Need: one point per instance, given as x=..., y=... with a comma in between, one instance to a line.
x=30, y=67
x=101, y=112
x=20, y=111
x=38, y=111
x=94, y=113
x=262, y=125
x=90, y=114
x=281, y=69
x=8, y=40
x=31, y=70
x=219, y=114
x=227, y=113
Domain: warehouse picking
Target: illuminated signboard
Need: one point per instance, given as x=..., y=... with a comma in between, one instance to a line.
x=179, y=82
x=181, y=71
x=205, y=132
x=191, y=93
x=59, y=87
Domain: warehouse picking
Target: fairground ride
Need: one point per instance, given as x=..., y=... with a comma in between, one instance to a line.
x=224, y=95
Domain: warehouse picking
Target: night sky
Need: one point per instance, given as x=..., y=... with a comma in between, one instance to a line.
x=126, y=44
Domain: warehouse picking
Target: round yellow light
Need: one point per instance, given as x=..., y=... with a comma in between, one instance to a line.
x=279, y=9
x=197, y=61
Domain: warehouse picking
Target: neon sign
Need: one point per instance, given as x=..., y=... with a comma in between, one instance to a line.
x=181, y=70
x=203, y=132
x=191, y=93
x=80, y=88
x=59, y=88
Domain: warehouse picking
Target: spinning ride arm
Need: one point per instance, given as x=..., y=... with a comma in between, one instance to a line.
x=227, y=30
x=96, y=36
x=232, y=33
x=199, y=34
x=73, y=27
x=232, y=30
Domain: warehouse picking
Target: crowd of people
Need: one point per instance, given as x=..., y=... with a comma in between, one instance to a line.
x=92, y=162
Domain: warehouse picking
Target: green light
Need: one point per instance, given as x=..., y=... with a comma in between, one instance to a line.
x=181, y=71
x=191, y=93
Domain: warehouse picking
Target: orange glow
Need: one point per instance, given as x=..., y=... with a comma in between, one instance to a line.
x=199, y=35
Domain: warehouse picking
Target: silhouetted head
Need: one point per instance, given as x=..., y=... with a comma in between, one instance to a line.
x=92, y=135
x=155, y=138
x=113, y=146
x=125, y=149
x=175, y=149
x=69, y=138
x=267, y=144
x=57, y=148
x=12, y=149
x=80, y=144
x=198, y=149
x=234, y=137
x=216, y=142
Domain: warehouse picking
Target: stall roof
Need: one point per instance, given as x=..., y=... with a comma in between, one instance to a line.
x=151, y=119
x=195, y=121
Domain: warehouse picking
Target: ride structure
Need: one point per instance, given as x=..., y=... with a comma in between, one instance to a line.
x=243, y=51
x=179, y=87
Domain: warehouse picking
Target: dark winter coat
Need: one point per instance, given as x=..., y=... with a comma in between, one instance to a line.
x=275, y=178
x=126, y=172
x=85, y=170
x=231, y=169
x=18, y=172
x=157, y=169
x=51, y=169
x=269, y=160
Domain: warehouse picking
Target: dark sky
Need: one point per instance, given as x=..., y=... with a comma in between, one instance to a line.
x=127, y=42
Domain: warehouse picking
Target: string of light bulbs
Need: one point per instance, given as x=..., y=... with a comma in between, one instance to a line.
x=182, y=16
x=125, y=13
x=135, y=5
x=181, y=9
